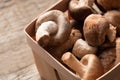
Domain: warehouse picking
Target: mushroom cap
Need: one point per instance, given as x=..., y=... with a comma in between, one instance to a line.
x=58, y=36
x=95, y=29
x=113, y=17
x=107, y=58
x=80, y=14
x=77, y=11
x=109, y=4
x=59, y=50
x=94, y=68
x=43, y=32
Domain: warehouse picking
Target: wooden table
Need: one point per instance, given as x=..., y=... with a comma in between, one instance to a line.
x=16, y=58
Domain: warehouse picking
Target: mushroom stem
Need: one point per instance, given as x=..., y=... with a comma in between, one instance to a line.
x=88, y=3
x=81, y=48
x=111, y=34
x=69, y=59
x=60, y=30
x=88, y=68
x=96, y=9
x=59, y=50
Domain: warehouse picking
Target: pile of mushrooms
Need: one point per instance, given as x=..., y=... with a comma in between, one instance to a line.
x=87, y=39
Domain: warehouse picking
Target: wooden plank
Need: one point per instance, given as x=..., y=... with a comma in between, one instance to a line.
x=15, y=53
x=27, y=73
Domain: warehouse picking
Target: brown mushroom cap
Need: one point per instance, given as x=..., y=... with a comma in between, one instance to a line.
x=109, y=4
x=95, y=29
x=94, y=67
x=80, y=9
x=107, y=58
x=59, y=50
x=79, y=14
x=57, y=32
x=113, y=17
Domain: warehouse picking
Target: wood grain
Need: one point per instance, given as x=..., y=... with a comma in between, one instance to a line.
x=16, y=58
x=27, y=73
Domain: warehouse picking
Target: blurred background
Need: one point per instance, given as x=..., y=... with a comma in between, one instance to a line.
x=16, y=58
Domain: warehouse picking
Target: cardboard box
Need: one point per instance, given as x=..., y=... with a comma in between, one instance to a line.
x=48, y=67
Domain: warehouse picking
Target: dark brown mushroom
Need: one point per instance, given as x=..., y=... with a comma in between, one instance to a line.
x=80, y=9
x=109, y=4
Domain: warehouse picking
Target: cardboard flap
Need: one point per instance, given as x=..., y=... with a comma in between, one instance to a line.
x=112, y=74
